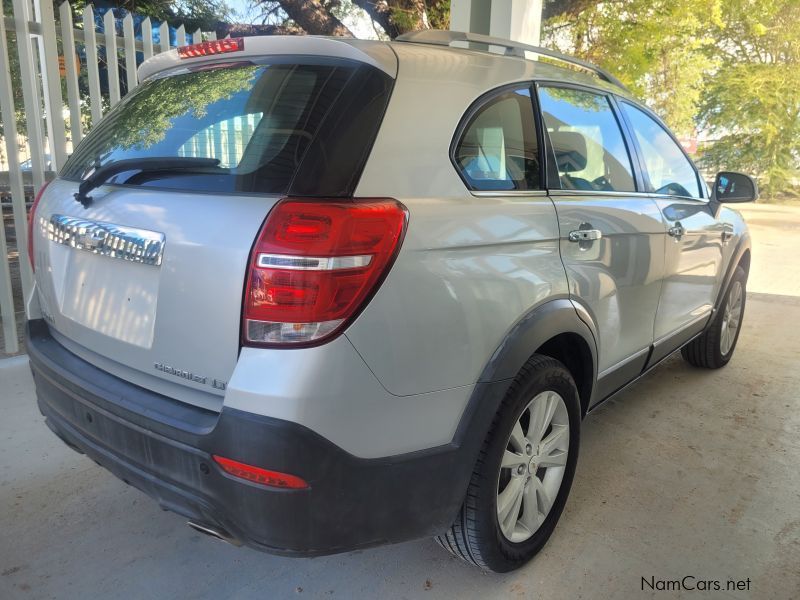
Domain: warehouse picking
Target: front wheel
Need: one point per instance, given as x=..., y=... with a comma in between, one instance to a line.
x=715, y=347
x=524, y=471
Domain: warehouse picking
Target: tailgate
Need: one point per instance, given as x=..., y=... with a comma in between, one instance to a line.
x=168, y=324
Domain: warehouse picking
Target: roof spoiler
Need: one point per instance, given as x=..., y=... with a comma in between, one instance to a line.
x=277, y=45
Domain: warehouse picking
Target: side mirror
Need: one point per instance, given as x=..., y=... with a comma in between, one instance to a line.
x=730, y=186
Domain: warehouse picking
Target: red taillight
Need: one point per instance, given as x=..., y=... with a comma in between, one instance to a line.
x=211, y=47
x=314, y=265
x=259, y=475
x=31, y=220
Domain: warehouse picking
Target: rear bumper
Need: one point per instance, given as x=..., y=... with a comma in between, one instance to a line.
x=163, y=447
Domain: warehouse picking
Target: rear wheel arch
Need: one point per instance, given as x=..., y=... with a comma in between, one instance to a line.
x=744, y=261
x=553, y=329
x=573, y=351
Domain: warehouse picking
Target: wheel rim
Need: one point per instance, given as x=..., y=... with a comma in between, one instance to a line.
x=731, y=318
x=532, y=467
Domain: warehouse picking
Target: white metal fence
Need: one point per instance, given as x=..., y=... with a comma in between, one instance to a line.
x=67, y=77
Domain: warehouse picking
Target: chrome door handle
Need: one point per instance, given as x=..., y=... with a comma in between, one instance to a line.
x=676, y=230
x=585, y=235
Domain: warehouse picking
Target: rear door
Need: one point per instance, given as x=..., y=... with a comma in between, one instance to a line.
x=693, y=261
x=146, y=279
x=612, y=235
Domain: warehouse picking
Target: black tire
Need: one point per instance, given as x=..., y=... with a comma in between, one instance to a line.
x=475, y=536
x=706, y=350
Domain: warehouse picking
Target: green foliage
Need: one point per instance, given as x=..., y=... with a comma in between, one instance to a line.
x=439, y=14
x=655, y=47
x=728, y=67
x=410, y=15
x=751, y=105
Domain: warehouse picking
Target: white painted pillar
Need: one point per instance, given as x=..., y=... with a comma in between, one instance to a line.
x=518, y=20
x=470, y=15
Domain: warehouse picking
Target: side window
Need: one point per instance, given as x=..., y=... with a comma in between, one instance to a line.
x=669, y=170
x=497, y=149
x=589, y=147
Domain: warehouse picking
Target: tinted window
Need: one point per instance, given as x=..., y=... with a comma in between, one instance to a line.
x=265, y=124
x=669, y=170
x=589, y=148
x=498, y=149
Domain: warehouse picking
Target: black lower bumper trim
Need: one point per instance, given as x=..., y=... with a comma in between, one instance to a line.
x=164, y=448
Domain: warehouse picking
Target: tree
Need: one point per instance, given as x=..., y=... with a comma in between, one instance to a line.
x=728, y=67
x=313, y=17
x=656, y=47
x=752, y=100
x=323, y=17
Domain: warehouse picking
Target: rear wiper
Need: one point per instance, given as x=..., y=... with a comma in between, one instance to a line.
x=102, y=174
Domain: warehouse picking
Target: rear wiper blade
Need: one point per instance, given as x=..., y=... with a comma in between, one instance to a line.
x=100, y=175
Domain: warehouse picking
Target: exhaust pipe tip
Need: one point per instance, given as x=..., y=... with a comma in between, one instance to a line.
x=215, y=532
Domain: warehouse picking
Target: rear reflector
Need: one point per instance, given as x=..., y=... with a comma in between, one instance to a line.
x=315, y=264
x=211, y=47
x=259, y=475
x=31, y=220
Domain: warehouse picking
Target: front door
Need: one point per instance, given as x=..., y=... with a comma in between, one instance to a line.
x=611, y=235
x=693, y=260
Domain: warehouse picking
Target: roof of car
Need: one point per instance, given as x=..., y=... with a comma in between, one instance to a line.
x=418, y=52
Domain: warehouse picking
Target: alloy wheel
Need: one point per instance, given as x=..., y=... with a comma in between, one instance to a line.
x=533, y=466
x=731, y=318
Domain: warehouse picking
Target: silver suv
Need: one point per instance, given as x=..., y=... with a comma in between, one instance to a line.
x=322, y=294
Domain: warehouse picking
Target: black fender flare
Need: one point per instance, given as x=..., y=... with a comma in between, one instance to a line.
x=537, y=326
x=742, y=246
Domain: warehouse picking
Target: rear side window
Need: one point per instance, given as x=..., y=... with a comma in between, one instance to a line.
x=497, y=149
x=590, y=151
x=669, y=170
x=273, y=128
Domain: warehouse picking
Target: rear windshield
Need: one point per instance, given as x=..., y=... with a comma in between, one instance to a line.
x=277, y=128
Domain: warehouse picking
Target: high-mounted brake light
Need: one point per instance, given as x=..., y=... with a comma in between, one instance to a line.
x=259, y=475
x=211, y=47
x=314, y=265
x=31, y=221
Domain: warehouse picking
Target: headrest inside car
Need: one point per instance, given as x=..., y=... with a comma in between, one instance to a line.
x=570, y=149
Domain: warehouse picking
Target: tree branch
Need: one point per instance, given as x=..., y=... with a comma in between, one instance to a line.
x=240, y=30
x=314, y=18
x=557, y=8
x=380, y=13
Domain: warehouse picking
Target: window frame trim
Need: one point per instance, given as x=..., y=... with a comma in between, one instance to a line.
x=479, y=103
x=639, y=182
x=649, y=188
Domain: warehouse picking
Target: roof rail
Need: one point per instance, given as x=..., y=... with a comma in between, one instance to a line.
x=441, y=37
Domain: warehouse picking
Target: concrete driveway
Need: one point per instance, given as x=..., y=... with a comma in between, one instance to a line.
x=687, y=473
